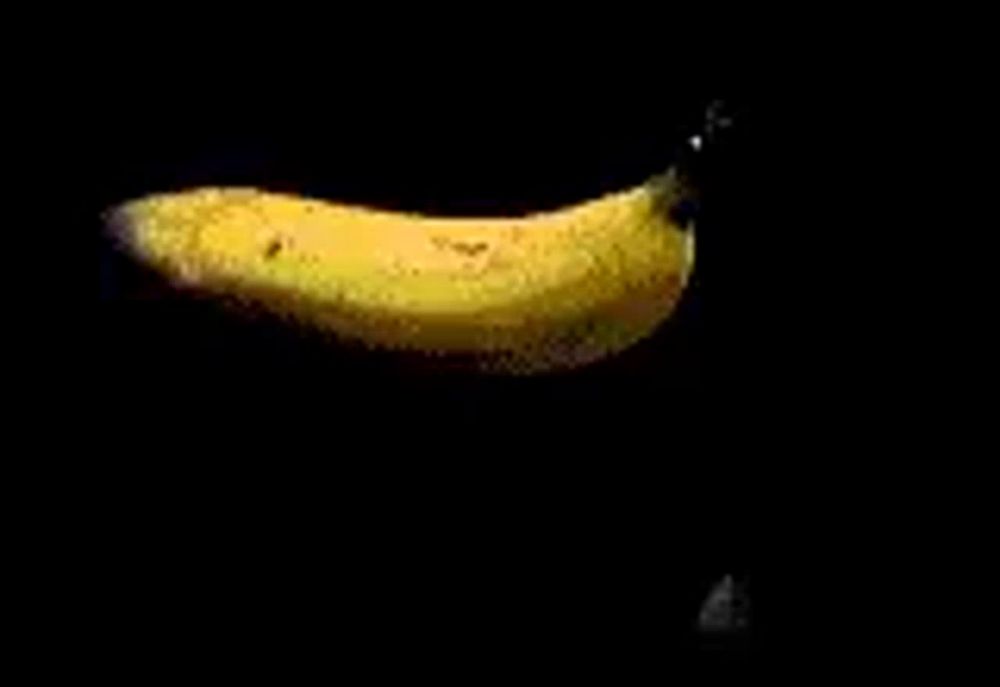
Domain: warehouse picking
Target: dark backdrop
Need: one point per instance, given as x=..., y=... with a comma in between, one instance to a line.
x=258, y=484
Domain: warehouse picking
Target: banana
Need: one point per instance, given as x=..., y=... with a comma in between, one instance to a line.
x=550, y=290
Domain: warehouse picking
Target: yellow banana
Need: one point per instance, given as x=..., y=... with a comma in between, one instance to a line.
x=550, y=290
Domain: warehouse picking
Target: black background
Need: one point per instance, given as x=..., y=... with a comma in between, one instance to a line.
x=261, y=489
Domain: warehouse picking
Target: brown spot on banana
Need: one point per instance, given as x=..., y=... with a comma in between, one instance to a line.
x=469, y=249
x=272, y=249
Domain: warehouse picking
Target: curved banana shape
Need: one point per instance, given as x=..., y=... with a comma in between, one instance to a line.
x=515, y=295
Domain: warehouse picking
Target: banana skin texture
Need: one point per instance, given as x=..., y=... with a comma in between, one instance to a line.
x=507, y=295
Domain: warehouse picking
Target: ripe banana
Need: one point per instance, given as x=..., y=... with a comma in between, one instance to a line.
x=551, y=290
